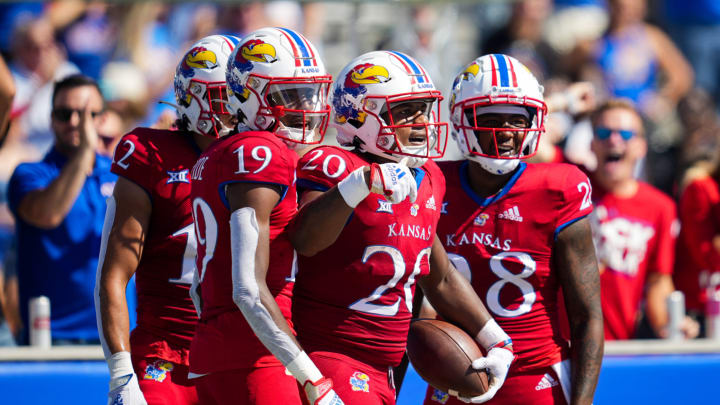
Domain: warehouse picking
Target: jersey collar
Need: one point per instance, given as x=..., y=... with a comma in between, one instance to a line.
x=484, y=202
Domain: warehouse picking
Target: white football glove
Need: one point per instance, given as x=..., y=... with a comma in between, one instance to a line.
x=497, y=363
x=125, y=390
x=393, y=180
x=321, y=392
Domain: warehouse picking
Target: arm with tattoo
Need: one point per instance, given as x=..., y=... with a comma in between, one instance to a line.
x=580, y=280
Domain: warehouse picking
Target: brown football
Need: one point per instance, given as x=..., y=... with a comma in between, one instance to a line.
x=442, y=355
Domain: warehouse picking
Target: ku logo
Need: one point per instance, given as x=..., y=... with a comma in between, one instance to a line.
x=481, y=219
x=360, y=382
x=178, y=177
x=158, y=370
x=443, y=209
x=439, y=396
x=384, y=207
x=414, y=209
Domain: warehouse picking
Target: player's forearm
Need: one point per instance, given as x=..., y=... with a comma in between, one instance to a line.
x=115, y=318
x=48, y=207
x=587, y=345
x=580, y=280
x=319, y=223
x=456, y=301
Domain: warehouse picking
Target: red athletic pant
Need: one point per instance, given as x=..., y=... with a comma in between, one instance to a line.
x=163, y=382
x=251, y=386
x=355, y=382
x=543, y=386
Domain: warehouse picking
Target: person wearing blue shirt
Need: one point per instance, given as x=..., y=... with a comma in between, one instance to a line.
x=59, y=208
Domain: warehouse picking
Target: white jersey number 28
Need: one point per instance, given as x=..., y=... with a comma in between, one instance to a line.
x=506, y=277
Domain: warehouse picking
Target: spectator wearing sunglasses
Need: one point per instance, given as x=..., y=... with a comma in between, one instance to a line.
x=634, y=228
x=59, y=209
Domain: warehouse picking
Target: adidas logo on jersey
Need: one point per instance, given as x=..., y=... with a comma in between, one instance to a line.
x=430, y=204
x=512, y=214
x=546, y=382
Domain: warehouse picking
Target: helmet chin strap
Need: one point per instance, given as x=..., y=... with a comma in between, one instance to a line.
x=410, y=161
x=495, y=166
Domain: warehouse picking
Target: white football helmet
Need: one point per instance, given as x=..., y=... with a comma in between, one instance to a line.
x=373, y=84
x=496, y=84
x=278, y=83
x=200, y=85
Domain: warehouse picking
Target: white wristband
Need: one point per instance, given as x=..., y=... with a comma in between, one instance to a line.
x=490, y=335
x=353, y=188
x=120, y=364
x=303, y=369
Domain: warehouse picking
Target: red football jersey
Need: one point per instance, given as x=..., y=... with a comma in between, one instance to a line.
x=698, y=262
x=504, y=245
x=223, y=339
x=355, y=297
x=159, y=161
x=633, y=236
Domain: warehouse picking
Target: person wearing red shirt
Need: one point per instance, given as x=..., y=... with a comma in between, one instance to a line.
x=634, y=227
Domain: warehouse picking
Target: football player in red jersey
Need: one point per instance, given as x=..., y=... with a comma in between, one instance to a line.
x=149, y=232
x=243, y=197
x=366, y=233
x=520, y=233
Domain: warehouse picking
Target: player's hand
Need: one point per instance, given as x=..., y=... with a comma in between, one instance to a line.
x=321, y=392
x=497, y=362
x=393, y=180
x=125, y=390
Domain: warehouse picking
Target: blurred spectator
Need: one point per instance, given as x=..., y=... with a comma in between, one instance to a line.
x=565, y=106
x=575, y=23
x=7, y=93
x=90, y=39
x=701, y=124
x=7, y=304
x=125, y=90
x=522, y=38
x=12, y=14
x=695, y=26
x=638, y=61
x=634, y=227
x=697, y=271
x=110, y=129
x=59, y=207
x=37, y=62
x=9, y=312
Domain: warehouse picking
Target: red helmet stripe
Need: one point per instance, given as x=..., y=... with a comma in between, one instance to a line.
x=494, y=70
x=294, y=48
x=512, y=71
x=407, y=68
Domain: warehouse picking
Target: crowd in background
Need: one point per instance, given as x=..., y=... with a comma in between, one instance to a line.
x=660, y=54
